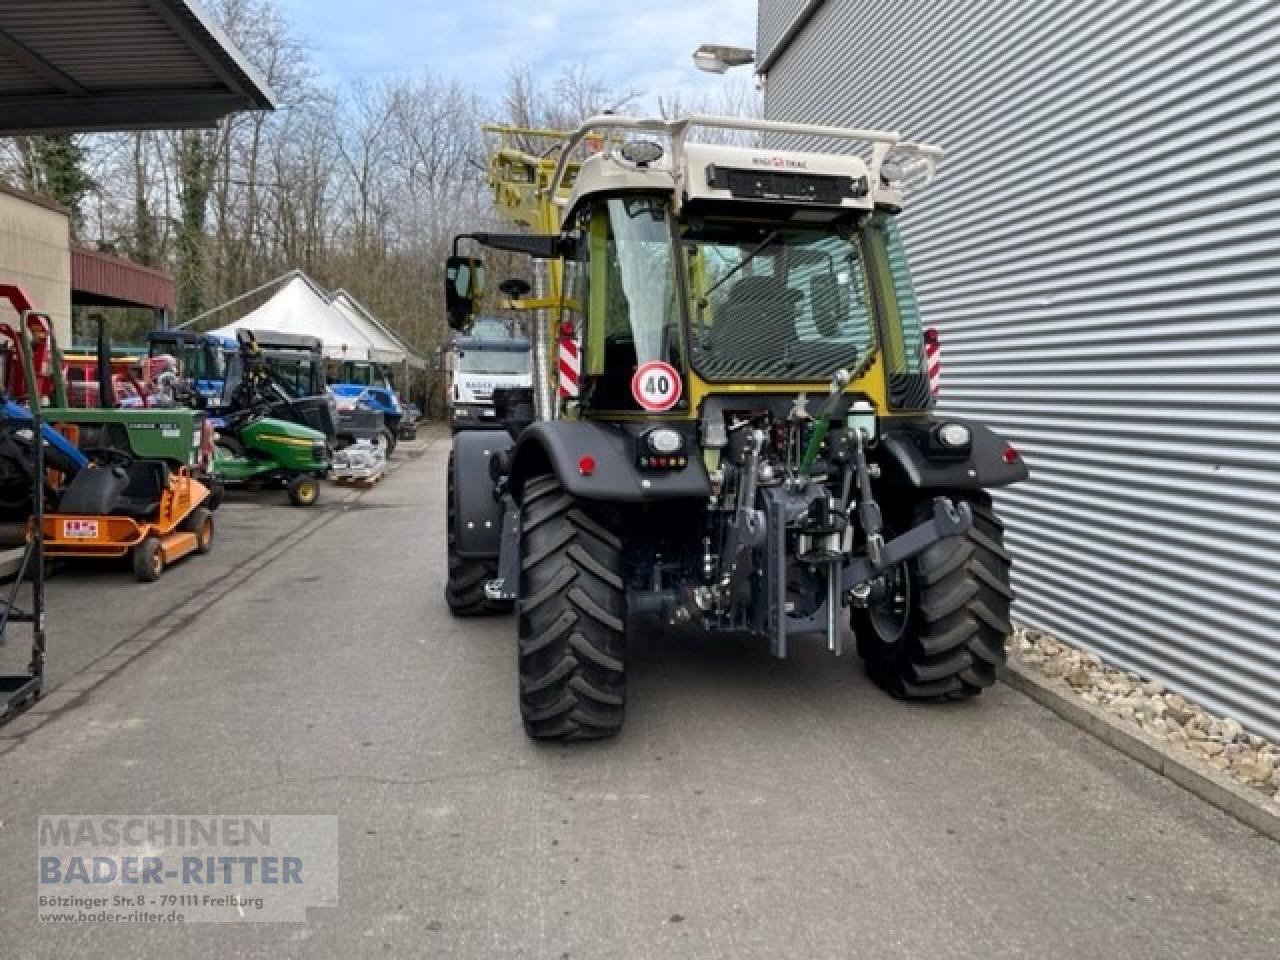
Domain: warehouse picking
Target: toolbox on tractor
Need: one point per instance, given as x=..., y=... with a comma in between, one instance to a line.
x=730, y=428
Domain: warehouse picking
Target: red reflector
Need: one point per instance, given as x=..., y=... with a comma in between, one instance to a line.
x=587, y=465
x=1010, y=455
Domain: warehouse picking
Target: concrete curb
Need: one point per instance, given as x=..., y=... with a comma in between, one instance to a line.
x=1207, y=783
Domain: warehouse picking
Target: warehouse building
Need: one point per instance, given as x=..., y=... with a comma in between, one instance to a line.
x=35, y=254
x=1101, y=254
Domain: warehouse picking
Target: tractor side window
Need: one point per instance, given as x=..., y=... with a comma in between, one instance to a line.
x=903, y=327
x=632, y=297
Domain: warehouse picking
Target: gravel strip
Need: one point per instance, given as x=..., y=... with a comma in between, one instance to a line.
x=1220, y=742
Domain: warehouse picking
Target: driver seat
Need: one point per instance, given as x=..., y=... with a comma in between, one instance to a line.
x=756, y=321
x=132, y=491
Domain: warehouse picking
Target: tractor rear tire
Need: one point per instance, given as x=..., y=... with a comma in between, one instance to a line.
x=148, y=560
x=231, y=448
x=572, y=619
x=200, y=522
x=464, y=588
x=945, y=637
x=217, y=492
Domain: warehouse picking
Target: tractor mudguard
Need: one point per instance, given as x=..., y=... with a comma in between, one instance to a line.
x=479, y=519
x=563, y=446
x=909, y=457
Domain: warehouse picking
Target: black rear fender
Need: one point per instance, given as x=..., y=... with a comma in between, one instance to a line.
x=910, y=456
x=600, y=461
x=479, y=510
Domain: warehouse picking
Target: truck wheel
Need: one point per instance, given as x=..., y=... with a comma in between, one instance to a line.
x=464, y=588
x=572, y=619
x=935, y=627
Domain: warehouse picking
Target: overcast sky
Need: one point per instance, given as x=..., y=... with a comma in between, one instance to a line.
x=645, y=45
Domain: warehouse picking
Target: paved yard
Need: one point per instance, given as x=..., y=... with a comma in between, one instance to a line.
x=752, y=808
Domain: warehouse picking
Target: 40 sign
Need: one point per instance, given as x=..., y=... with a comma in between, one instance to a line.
x=656, y=386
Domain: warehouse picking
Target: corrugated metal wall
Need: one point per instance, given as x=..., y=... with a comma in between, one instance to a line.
x=776, y=18
x=1102, y=256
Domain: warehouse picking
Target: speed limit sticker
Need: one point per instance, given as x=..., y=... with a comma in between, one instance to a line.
x=656, y=386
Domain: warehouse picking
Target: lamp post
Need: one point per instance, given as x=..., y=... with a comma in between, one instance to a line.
x=718, y=58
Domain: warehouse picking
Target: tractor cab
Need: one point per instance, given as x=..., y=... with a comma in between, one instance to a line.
x=708, y=267
x=201, y=360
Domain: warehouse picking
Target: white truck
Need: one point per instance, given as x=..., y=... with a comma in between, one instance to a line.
x=487, y=357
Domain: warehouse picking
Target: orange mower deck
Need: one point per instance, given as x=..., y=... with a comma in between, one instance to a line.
x=154, y=544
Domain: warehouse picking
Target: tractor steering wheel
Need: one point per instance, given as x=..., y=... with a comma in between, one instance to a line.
x=108, y=456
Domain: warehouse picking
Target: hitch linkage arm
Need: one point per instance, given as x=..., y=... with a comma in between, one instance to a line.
x=949, y=520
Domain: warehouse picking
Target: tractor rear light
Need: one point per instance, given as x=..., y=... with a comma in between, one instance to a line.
x=954, y=435
x=586, y=465
x=1010, y=455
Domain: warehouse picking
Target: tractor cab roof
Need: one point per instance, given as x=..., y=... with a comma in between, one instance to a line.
x=807, y=185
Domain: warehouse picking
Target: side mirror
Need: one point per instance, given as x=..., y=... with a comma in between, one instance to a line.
x=463, y=288
x=515, y=288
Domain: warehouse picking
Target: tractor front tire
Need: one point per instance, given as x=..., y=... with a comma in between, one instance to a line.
x=935, y=628
x=572, y=619
x=464, y=588
x=304, y=490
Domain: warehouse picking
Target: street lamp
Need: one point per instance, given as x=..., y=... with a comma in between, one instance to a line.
x=717, y=58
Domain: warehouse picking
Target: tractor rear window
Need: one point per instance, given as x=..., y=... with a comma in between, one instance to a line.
x=777, y=303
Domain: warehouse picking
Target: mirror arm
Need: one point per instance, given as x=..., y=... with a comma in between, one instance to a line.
x=542, y=246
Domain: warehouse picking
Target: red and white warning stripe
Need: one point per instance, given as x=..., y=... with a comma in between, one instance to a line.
x=570, y=358
x=933, y=358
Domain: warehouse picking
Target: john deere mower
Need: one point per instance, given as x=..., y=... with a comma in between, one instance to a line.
x=254, y=448
x=742, y=441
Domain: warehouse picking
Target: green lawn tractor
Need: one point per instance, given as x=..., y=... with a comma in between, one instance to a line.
x=256, y=450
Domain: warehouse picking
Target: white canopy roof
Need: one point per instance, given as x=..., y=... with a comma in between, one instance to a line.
x=385, y=346
x=299, y=306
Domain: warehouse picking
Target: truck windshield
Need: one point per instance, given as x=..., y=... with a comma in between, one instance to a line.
x=776, y=303
x=493, y=361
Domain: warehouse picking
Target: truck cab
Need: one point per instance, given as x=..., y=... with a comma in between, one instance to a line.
x=486, y=358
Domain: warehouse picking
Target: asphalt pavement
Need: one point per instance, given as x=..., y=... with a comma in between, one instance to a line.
x=751, y=808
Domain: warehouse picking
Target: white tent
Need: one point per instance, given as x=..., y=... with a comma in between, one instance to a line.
x=300, y=307
x=385, y=346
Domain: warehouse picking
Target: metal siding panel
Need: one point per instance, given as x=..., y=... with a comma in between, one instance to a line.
x=773, y=19
x=1102, y=256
